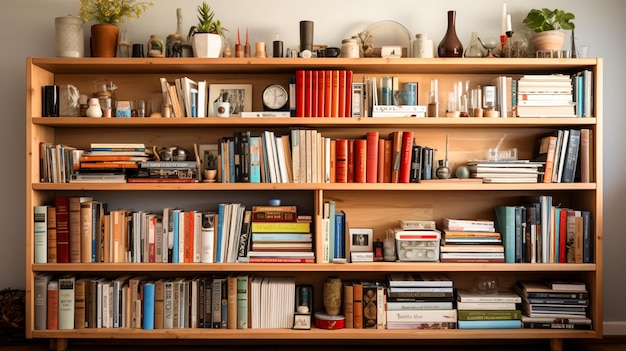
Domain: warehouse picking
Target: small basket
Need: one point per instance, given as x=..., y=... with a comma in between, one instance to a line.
x=12, y=317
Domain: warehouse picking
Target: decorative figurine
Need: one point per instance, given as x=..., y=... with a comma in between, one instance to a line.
x=156, y=47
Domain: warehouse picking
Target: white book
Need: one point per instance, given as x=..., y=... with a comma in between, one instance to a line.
x=197, y=236
x=422, y=316
x=485, y=305
x=202, y=99
x=501, y=296
x=282, y=162
x=66, y=302
x=269, y=141
x=207, y=237
x=40, y=231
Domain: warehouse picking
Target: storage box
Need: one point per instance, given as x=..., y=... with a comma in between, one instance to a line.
x=417, y=245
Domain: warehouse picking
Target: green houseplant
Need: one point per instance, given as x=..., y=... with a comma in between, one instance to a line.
x=549, y=26
x=206, y=37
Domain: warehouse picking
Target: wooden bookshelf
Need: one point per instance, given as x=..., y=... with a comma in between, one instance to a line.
x=379, y=205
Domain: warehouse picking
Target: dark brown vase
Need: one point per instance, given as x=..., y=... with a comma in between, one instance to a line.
x=104, y=40
x=450, y=45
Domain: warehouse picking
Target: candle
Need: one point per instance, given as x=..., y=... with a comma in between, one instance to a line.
x=504, y=14
x=508, y=24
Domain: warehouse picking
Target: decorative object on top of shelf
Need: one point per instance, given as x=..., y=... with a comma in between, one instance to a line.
x=389, y=33
x=423, y=47
x=490, y=44
x=475, y=47
x=366, y=47
x=450, y=45
x=239, y=96
x=206, y=37
x=306, y=35
x=107, y=14
x=69, y=37
x=332, y=295
x=549, y=25
x=156, y=46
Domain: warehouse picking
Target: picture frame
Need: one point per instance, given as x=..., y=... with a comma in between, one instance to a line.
x=361, y=239
x=207, y=156
x=239, y=97
x=302, y=321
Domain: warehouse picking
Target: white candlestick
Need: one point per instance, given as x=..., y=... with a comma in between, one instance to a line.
x=508, y=23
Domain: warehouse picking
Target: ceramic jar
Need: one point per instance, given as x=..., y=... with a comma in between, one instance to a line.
x=332, y=296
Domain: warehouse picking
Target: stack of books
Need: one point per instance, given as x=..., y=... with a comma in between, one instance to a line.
x=517, y=171
x=470, y=240
x=420, y=301
x=545, y=96
x=552, y=304
x=166, y=172
x=110, y=162
x=477, y=310
x=279, y=235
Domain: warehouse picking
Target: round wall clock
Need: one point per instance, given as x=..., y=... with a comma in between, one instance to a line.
x=275, y=98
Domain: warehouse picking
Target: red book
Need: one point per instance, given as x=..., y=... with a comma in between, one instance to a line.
x=334, y=98
x=62, y=205
x=388, y=158
x=341, y=161
x=300, y=93
x=189, y=236
x=360, y=160
x=315, y=94
x=328, y=89
x=348, y=112
x=321, y=93
x=372, y=156
x=52, y=305
x=308, y=93
x=350, y=160
x=381, y=160
x=396, y=155
x=333, y=161
x=405, y=157
x=562, y=236
x=341, y=111
x=357, y=303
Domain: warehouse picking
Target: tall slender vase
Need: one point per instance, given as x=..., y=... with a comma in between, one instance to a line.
x=450, y=45
x=104, y=38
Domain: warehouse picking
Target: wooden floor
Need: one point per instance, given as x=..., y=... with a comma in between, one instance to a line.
x=607, y=344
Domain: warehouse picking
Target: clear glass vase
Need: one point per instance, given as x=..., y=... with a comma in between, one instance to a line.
x=475, y=48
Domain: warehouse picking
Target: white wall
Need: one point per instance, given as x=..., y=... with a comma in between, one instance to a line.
x=27, y=29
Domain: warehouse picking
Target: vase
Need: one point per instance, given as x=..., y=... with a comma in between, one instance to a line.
x=450, y=45
x=549, y=40
x=332, y=296
x=475, y=48
x=69, y=37
x=207, y=45
x=104, y=38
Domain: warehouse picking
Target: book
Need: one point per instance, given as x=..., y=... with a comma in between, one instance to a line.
x=357, y=305
x=546, y=151
x=61, y=205
x=490, y=324
x=348, y=304
x=51, y=235
x=40, y=233
x=242, y=301
x=571, y=156
x=464, y=295
x=441, y=316
x=421, y=325
x=556, y=284
x=505, y=221
x=80, y=295
x=66, y=302
x=538, y=289
x=281, y=227
x=40, y=295
x=418, y=280
x=488, y=315
x=477, y=225
x=485, y=306
x=148, y=300
x=404, y=173
x=52, y=305
x=360, y=161
x=371, y=164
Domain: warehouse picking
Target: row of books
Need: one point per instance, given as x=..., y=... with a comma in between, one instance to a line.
x=541, y=231
x=242, y=301
x=567, y=154
x=81, y=229
x=323, y=93
x=232, y=301
x=185, y=97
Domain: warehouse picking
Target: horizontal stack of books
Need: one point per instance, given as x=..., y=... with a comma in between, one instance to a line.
x=554, y=304
x=478, y=310
x=467, y=240
x=548, y=95
x=166, y=172
x=110, y=162
x=420, y=301
x=517, y=171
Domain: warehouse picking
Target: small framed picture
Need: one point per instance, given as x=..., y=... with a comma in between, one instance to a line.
x=361, y=239
x=302, y=321
x=238, y=95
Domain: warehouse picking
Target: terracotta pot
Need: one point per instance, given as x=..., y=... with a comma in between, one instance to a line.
x=549, y=40
x=207, y=45
x=104, y=38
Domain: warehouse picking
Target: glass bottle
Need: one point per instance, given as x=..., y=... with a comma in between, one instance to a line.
x=450, y=45
x=475, y=48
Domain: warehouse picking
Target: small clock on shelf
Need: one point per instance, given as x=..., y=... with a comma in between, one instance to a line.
x=275, y=98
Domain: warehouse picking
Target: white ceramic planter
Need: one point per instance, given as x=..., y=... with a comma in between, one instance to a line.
x=207, y=45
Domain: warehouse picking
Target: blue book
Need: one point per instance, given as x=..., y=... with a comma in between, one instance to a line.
x=175, y=235
x=255, y=159
x=587, y=237
x=520, y=226
x=331, y=230
x=492, y=324
x=148, y=306
x=194, y=103
x=220, y=229
x=505, y=218
x=340, y=234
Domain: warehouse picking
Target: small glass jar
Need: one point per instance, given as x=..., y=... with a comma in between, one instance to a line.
x=349, y=48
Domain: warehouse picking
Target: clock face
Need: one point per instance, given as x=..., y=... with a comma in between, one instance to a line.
x=275, y=98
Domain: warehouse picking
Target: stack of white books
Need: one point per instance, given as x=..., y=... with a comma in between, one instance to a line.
x=516, y=171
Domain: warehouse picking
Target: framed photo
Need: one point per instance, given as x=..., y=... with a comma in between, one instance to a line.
x=302, y=321
x=238, y=95
x=361, y=239
x=207, y=155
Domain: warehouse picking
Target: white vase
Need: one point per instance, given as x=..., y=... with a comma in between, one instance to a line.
x=207, y=45
x=549, y=40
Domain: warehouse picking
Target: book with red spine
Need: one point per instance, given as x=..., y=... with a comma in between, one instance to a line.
x=404, y=175
x=372, y=156
x=381, y=160
x=334, y=98
x=360, y=160
x=300, y=93
x=350, y=161
x=348, y=106
x=387, y=160
x=62, y=205
x=189, y=237
x=328, y=92
x=308, y=93
x=396, y=155
x=341, y=161
x=341, y=111
x=321, y=94
x=315, y=94
x=333, y=161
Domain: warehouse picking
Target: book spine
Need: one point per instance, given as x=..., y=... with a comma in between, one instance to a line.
x=494, y=324
x=62, y=220
x=148, y=306
x=480, y=315
x=371, y=162
x=40, y=231
x=52, y=303
x=80, y=295
x=348, y=305
x=369, y=306
x=242, y=302
x=357, y=304
x=340, y=234
x=86, y=232
x=571, y=156
x=351, y=144
x=360, y=161
x=51, y=235
x=40, y=293
x=404, y=174
x=159, y=304
x=66, y=303
x=416, y=164
x=348, y=93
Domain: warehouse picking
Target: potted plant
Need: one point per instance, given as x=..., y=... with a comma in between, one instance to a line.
x=107, y=14
x=206, y=37
x=548, y=26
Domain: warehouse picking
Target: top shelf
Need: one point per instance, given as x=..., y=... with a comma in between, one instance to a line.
x=288, y=65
